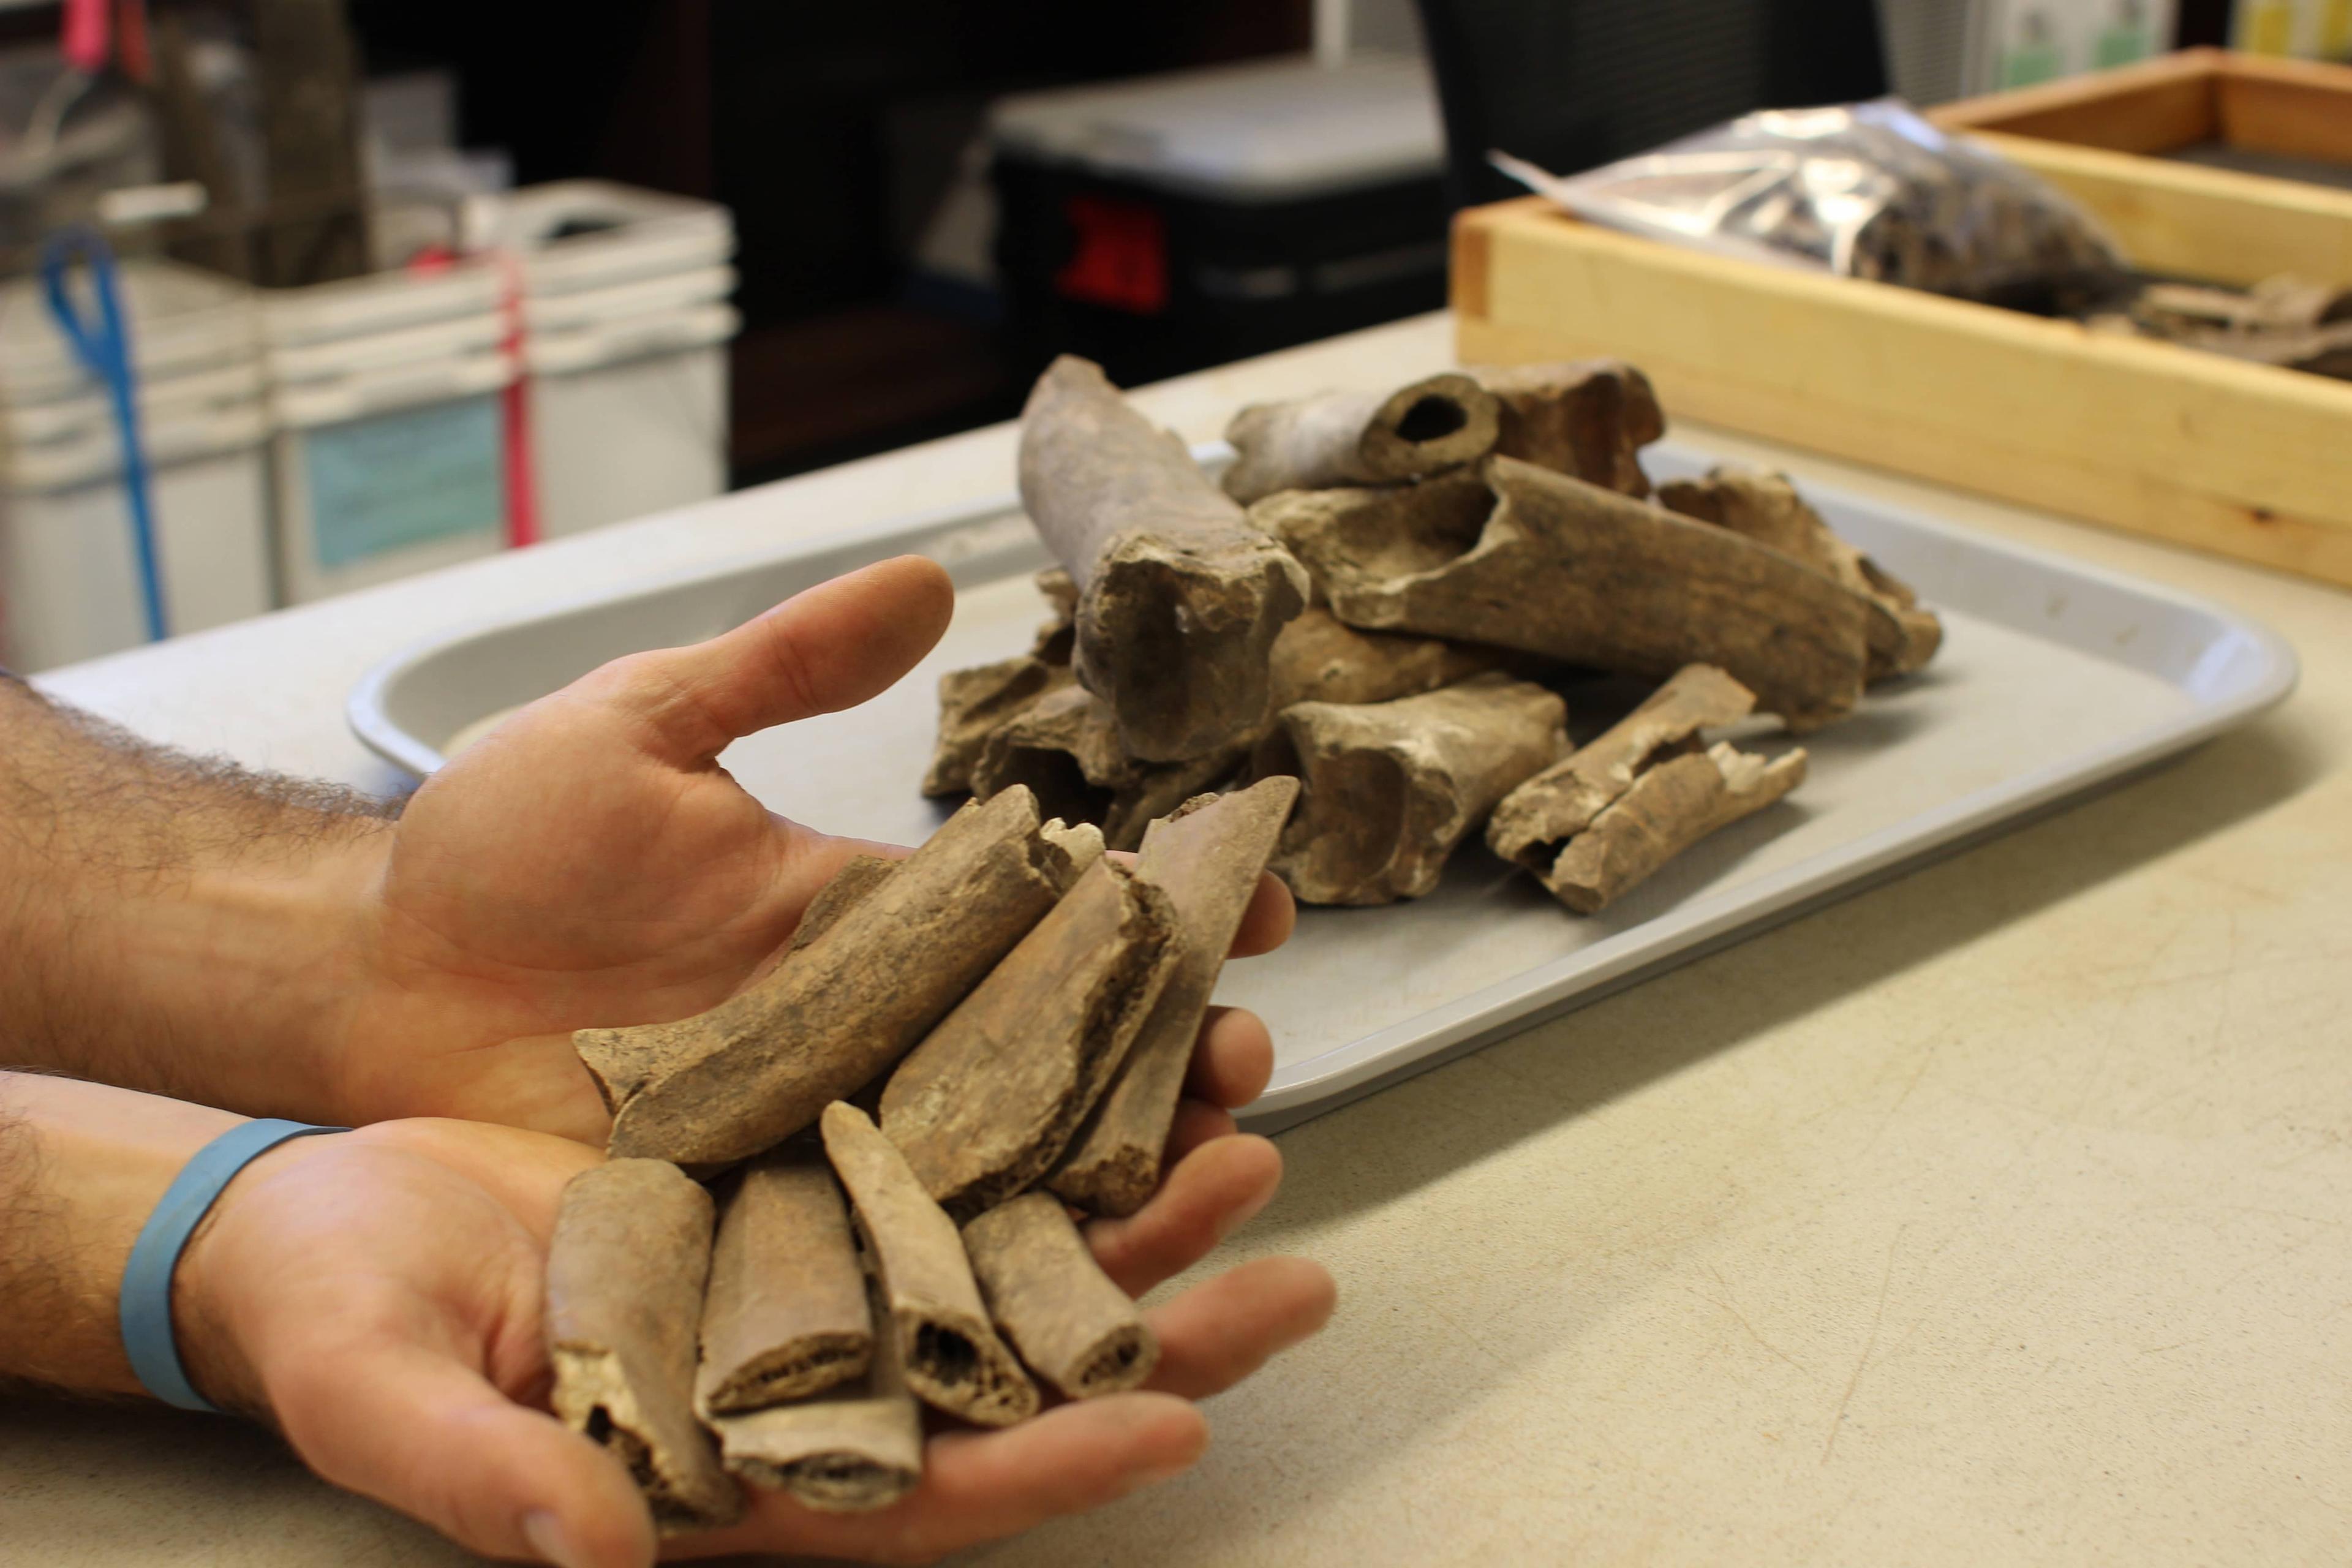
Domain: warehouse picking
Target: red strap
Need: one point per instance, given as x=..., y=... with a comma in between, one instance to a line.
x=522, y=488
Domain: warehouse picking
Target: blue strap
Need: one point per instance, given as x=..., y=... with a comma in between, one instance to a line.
x=146, y=1297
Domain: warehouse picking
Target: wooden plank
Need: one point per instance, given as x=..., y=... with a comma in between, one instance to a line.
x=2304, y=112
x=2242, y=459
x=2184, y=219
x=2153, y=106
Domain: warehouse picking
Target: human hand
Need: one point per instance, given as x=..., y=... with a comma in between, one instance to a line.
x=377, y=1294
x=589, y=863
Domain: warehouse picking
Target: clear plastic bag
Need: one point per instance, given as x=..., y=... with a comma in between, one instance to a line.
x=1865, y=190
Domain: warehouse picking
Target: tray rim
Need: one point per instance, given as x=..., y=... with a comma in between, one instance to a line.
x=1318, y=1083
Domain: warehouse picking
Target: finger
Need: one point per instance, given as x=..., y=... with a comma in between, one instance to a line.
x=1233, y=1059
x=1197, y=1122
x=830, y=647
x=980, y=1487
x=1266, y=924
x=1208, y=1194
x=1217, y=1333
x=429, y=1436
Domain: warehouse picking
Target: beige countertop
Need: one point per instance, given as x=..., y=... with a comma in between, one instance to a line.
x=1998, y=1215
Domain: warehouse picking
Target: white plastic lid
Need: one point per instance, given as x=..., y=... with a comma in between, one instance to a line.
x=205, y=433
x=379, y=302
x=1267, y=131
x=454, y=338
x=33, y=424
x=441, y=380
x=609, y=342
x=182, y=320
x=621, y=233
x=594, y=307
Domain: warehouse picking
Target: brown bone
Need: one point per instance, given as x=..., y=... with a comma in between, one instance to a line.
x=986, y=1104
x=851, y=1451
x=1208, y=858
x=1065, y=748
x=1320, y=658
x=1392, y=788
x=976, y=704
x=1603, y=819
x=785, y=1315
x=739, y=1079
x=1179, y=597
x=625, y=1277
x=1766, y=508
x=1075, y=1327
x=1359, y=438
x=953, y=1358
x=1590, y=418
x=1524, y=558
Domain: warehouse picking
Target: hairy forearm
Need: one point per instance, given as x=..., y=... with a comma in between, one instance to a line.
x=168, y=923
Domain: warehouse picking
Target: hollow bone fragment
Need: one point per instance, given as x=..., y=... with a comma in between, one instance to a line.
x=1208, y=858
x=929, y=1301
x=1179, y=596
x=1521, y=557
x=1588, y=418
x=1766, y=508
x=739, y=1079
x=1072, y=1325
x=1065, y=748
x=852, y=1449
x=975, y=703
x=625, y=1277
x=1336, y=439
x=988, y=1102
x=786, y=1314
x=1603, y=819
x=1392, y=788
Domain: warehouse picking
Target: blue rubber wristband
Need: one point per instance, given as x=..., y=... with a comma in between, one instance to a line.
x=146, y=1297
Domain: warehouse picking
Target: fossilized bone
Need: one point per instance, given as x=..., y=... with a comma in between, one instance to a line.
x=1065, y=748
x=738, y=1080
x=855, y=1448
x=953, y=1358
x=1320, y=658
x=1392, y=788
x=976, y=703
x=1604, y=818
x=1208, y=858
x=1336, y=438
x=1590, y=418
x=1766, y=508
x=988, y=1102
x=1058, y=635
x=1072, y=1325
x=1179, y=597
x=1518, y=556
x=624, y=1277
x=786, y=1314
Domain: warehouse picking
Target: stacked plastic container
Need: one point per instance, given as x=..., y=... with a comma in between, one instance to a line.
x=69, y=572
x=624, y=302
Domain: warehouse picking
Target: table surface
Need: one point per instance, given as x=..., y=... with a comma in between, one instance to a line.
x=1996, y=1214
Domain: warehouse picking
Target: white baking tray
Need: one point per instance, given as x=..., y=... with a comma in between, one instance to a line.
x=2054, y=678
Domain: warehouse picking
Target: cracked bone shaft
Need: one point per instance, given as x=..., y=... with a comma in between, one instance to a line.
x=625, y=1270
x=1072, y=1324
x=1389, y=788
x=785, y=1315
x=1335, y=439
x=929, y=1301
x=1588, y=418
x=852, y=1449
x=1180, y=597
x=1208, y=858
x=1320, y=658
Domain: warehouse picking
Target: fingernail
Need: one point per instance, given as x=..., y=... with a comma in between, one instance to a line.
x=549, y=1538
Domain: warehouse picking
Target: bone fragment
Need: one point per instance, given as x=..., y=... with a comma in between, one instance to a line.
x=1518, y=556
x=1392, y=788
x=1336, y=438
x=928, y=1299
x=852, y=1449
x=1320, y=658
x=987, y=1103
x=859, y=875
x=976, y=703
x=1587, y=418
x=1065, y=748
x=1072, y=1325
x=1603, y=819
x=624, y=1277
x=1058, y=635
x=1207, y=857
x=785, y=1315
x=1766, y=508
x=1179, y=597
x=738, y=1080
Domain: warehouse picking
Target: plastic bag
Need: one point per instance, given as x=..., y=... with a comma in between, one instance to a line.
x=1865, y=190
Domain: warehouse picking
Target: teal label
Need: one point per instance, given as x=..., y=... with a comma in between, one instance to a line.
x=396, y=480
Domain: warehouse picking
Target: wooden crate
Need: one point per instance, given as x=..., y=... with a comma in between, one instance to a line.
x=2245, y=460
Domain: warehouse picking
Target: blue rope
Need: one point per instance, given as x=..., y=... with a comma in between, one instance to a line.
x=105, y=348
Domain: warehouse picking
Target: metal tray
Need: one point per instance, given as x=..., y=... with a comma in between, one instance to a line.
x=2054, y=678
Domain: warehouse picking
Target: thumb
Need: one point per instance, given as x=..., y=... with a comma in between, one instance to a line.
x=429, y=1437
x=826, y=648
